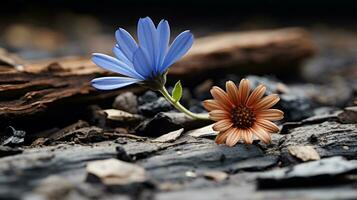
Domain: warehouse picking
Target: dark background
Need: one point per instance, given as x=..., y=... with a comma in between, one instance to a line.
x=43, y=29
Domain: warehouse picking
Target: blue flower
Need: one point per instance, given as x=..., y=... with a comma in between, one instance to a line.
x=144, y=62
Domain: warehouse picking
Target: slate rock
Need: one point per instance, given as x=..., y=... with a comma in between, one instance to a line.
x=337, y=92
x=21, y=173
x=273, y=85
x=165, y=122
x=321, y=114
x=157, y=126
x=147, y=97
x=295, y=108
x=173, y=163
x=328, y=171
x=329, y=139
x=245, y=191
x=154, y=107
x=9, y=151
x=252, y=164
x=127, y=101
x=122, y=154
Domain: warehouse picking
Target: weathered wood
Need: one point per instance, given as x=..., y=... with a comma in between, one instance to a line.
x=48, y=91
x=259, y=51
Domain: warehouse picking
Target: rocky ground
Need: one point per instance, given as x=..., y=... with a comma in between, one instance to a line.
x=135, y=146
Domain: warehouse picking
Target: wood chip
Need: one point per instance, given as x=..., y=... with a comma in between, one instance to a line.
x=54, y=187
x=304, y=153
x=119, y=115
x=206, y=131
x=191, y=174
x=169, y=137
x=116, y=172
x=215, y=175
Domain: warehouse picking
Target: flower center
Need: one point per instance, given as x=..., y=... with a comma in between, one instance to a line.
x=243, y=117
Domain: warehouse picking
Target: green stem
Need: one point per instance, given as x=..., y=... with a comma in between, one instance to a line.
x=180, y=107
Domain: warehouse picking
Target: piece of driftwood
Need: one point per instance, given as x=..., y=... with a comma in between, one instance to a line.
x=61, y=87
x=266, y=51
x=48, y=90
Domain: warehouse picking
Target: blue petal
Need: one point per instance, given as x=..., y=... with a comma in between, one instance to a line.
x=126, y=43
x=120, y=55
x=114, y=65
x=141, y=63
x=163, y=30
x=178, y=48
x=110, y=83
x=148, y=39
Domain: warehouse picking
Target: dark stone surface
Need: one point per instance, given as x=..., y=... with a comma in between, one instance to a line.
x=253, y=164
x=127, y=101
x=152, y=108
x=147, y=97
x=165, y=122
x=9, y=151
x=175, y=168
x=122, y=154
x=248, y=192
x=295, y=108
x=172, y=163
x=328, y=138
x=328, y=171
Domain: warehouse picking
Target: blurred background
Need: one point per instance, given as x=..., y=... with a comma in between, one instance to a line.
x=45, y=29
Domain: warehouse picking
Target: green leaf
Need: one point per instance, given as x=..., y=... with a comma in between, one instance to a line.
x=177, y=91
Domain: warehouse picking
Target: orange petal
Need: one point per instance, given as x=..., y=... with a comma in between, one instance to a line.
x=267, y=102
x=261, y=134
x=233, y=137
x=221, y=97
x=222, y=125
x=211, y=105
x=248, y=136
x=271, y=114
x=256, y=95
x=268, y=125
x=217, y=115
x=243, y=91
x=221, y=137
x=232, y=92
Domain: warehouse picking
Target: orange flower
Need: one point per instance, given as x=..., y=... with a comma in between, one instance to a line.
x=241, y=114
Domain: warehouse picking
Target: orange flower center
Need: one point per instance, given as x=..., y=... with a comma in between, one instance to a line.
x=243, y=117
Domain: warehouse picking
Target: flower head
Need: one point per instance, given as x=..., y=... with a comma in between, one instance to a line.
x=242, y=114
x=146, y=61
